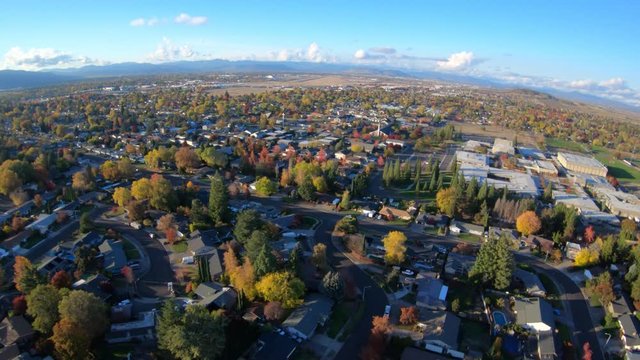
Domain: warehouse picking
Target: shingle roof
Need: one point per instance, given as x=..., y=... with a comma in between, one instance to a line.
x=534, y=310
x=14, y=329
x=306, y=317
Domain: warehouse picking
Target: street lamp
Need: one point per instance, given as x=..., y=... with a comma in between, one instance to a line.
x=364, y=291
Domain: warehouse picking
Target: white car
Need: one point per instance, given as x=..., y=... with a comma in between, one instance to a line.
x=387, y=310
x=408, y=272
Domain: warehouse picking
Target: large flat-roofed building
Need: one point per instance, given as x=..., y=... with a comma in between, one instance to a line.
x=539, y=166
x=618, y=202
x=521, y=184
x=471, y=159
x=583, y=164
x=503, y=146
x=588, y=210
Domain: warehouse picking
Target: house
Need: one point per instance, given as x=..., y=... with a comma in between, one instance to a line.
x=97, y=284
x=139, y=330
x=629, y=332
x=391, y=213
x=202, y=242
x=91, y=238
x=547, y=346
x=11, y=352
x=537, y=242
x=411, y=353
x=458, y=265
x=431, y=292
x=304, y=320
x=440, y=328
x=534, y=314
x=463, y=228
x=532, y=284
x=274, y=346
x=15, y=330
x=42, y=223
x=571, y=250
x=216, y=296
x=114, y=258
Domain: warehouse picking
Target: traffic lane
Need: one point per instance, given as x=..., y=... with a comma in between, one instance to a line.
x=375, y=298
x=160, y=265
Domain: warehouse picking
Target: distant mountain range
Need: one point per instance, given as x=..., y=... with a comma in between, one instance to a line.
x=17, y=79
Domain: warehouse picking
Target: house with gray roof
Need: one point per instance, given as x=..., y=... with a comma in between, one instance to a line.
x=215, y=296
x=202, y=242
x=304, y=320
x=547, y=346
x=114, y=258
x=274, y=346
x=531, y=282
x=458, y=265
x=440, y=328
x=15, y=330
x=534, y=314
x=431, y=293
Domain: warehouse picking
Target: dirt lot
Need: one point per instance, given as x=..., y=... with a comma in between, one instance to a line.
x=497, y=131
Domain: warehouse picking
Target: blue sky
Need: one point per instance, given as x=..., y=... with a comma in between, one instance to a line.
x=588, y=46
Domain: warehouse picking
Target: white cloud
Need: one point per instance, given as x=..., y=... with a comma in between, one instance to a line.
x=167, y=50
x=138, y=22
x=457, y=61
x=42, y=58
x=187, y=19
x=313, y=53
x=360, y=54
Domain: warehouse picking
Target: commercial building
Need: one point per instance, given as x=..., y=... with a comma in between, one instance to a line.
x=521, y=184
x=539, y=166
x=471, y=159
x=618, y=202
x=503, y=146
x=582, y=164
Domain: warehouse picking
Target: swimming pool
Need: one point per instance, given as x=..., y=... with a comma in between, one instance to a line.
x=499, y=318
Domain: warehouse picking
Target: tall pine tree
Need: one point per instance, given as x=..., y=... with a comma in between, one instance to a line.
x=218, y=200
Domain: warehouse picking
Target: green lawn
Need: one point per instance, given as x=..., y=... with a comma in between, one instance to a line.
x=130, y=251
x=564, y=144
x=309, y=223
x=470, y=238
x=617, y=168
x=179, y=247
x=339, y=318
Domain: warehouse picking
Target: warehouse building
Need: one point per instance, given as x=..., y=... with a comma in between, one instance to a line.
x=618, y=202
x=471, y=159
x=503, y=146
x=521, y=184
x=582, y=164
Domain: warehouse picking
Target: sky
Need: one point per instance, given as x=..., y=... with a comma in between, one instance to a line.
x=577, y=45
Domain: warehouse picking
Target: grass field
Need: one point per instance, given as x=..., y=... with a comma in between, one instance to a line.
x=180, y=246
x=470, y=238
x=564, y=144
x=617, y=168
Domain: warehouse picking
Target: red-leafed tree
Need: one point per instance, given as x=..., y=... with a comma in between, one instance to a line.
x=586, y=351
x=589, y=234
x=19, y=305
x=273, y=310
x=408, y=315
x=61, y=279
x=380, y=161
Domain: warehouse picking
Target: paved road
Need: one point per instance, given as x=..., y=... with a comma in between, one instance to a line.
x=154, y=282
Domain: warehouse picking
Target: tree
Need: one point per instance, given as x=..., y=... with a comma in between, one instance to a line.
x=265, y=261
x=19, y=305
x=122, y=196
x=394, y=247
x=257, y=241
x=273, y=310
x=61, y=279
x=81, y=307
x=333, y=285
x=186, y=158
x=589, y=234
x=587, y=353
x=135, y=210
x=247, y=222
x=19, y=197
x=193, y=334
x=306, y=190
x=141, y=189
x=162, y=196
x=446, y=200
x=166, y=222
x=347, y=225
x=43, y=304
x=282, y=287
x=266, y=187
x=218, y=200
x=408, y=315
x=627, y=229
x=602, y=288
x=319, y=256
x=494, y=263
x=345, y=201
x=82, y=181
x=70, y=341
x=528, y=223
x=25, y=275
x=9, y=181
x=586, y=257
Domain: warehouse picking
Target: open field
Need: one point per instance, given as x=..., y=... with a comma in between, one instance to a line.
x=617, y=168
x=496, y=131
x=562, y=144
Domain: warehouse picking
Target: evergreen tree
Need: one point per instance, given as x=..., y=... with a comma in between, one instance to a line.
x=396, y=171
x=265, y=261
x=483, y=192
x=293, y=263
x=218, y=200
x=472, y=189
x=494, y=264
x=547, y=196
x=385, y=174
x=427, y=183
x=439, y=185
x=333, y=285
x=484, y=214
x=417, y=186
x=434, y=181
x=492, y=194
x=346, y=199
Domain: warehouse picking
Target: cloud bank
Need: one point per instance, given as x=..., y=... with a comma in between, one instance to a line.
x=187, y=19
x=35, y=59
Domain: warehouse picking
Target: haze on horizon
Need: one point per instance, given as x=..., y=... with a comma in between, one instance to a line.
x=585, y=46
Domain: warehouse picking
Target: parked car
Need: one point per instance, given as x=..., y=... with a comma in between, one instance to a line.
x=387, y=310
